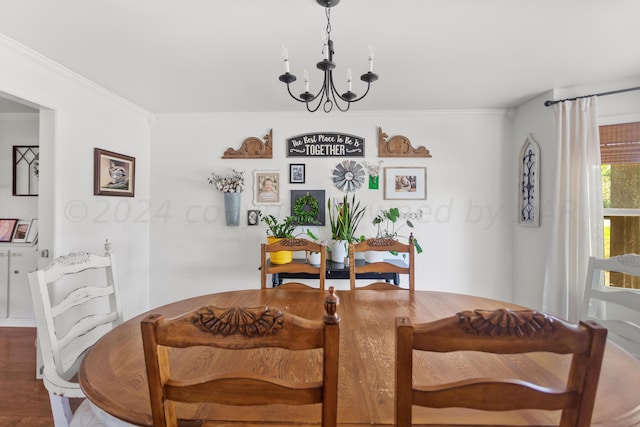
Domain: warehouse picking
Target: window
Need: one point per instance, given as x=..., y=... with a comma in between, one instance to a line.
x=620, y=158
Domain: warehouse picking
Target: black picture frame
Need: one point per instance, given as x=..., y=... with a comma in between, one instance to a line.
x=319, y=195
x=253, y=217
x=296, y=173
x=7, y=227
x=26, y=167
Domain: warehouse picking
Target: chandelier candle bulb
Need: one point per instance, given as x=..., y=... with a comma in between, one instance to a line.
x=370, y=58
x=306, y=80
x=349, y=77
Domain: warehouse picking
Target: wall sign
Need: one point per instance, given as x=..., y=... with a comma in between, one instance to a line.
x=325, y=144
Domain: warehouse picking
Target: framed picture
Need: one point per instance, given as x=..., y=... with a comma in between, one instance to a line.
x=296, y=173
x=113, y=174
x=21, y=231
x=253, y=217
x=405, y=183
x=266, y=187
x=308, y=204
x=32, y=235
x=7, y=226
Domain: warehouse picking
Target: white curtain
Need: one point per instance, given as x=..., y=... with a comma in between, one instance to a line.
x=576, y=230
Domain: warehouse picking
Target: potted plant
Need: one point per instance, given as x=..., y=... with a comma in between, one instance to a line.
x=277, y=230
x=344, y=219
x=389, y=223
x=313, y=258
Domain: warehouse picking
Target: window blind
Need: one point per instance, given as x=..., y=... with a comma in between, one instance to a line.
x=620, y=143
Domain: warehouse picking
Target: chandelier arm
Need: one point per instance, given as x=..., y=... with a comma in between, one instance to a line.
x=363, y=95
x=293, y=96
x=300, y=99
x=313, y=110
x=335, y=93
x=319, y=96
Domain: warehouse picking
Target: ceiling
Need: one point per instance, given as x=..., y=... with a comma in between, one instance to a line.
x=178, y=56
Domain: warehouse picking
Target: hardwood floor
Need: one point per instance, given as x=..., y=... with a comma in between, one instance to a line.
x=24, y=401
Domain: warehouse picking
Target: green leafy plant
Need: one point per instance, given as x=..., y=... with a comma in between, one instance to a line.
x=390, y=222
x=344, y=218
x=279, y=229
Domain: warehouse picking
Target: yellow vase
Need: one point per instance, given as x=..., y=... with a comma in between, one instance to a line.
x=280, y=257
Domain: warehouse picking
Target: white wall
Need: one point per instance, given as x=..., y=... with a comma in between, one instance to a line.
x=86, y=116
x=465, y=232
x=530, y=243
x=15, y=129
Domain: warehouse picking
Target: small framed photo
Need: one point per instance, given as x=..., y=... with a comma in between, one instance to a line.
x=7, y=227
x=253, y=217
x=21, y=231
x=32, y=235
x=113, y=174
x=296, y=173
x=266, y=187
x=405, y=183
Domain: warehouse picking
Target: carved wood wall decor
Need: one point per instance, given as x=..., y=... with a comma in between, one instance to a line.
x=252, y=148
x=249, y=321
x=398, y=146
x=505, y=322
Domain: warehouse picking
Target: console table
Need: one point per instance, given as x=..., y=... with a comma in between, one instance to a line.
x=337, y=270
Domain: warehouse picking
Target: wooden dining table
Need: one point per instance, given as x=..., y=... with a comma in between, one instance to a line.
x=113, y=376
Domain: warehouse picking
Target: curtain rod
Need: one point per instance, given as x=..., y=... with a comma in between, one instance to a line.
x=550, y=103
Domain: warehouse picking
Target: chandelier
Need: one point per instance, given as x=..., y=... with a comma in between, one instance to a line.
x=328, y=96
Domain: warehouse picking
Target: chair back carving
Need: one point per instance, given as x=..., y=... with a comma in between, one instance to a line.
x=237, y=328
x=382, y=245
x=501, y=331
x=615, y=308
x=76, y=299
x=293, y=245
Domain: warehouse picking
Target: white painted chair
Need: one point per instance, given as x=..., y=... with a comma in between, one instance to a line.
x=76, y=300
x=617, y=309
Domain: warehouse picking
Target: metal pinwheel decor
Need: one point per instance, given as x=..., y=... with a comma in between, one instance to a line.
x=348, y=175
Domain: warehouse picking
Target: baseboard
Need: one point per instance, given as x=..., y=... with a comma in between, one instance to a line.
x=17, y=323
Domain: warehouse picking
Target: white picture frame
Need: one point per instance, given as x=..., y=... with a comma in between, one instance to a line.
x=266, y=187
x=21, y=231
x=405, y=183
x=32, y=235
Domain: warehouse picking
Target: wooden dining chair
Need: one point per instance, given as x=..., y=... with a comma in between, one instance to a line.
x=381, y=245
x=293, y=244
x=501, y=331
x=615, y=307
x=240, y=328
x=76, y=299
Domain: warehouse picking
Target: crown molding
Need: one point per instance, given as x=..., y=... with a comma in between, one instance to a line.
x=71, y=75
